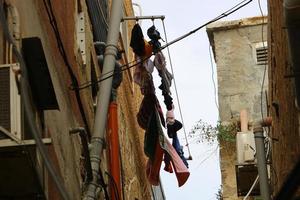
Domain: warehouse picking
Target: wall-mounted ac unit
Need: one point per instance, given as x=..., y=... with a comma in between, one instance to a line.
x=245, y=146
x=10, y=103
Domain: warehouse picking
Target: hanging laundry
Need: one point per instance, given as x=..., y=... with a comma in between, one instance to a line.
x=172, y=128
x=141, y=74
x=160, y=61
x=168, y=100
x=166, y=76
x=146, y=110
x=139, y=45
x=166, y=81
x=150, y=115
x=179, y=149
x=137, y=40
x=154, y=35
x=149, y=66
x=156, y=152
x=170, y=116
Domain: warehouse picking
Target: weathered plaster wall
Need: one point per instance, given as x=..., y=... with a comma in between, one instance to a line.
x=239, y=77
x=239, y=83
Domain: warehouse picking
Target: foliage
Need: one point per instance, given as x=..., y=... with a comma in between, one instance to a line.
x=205, y=132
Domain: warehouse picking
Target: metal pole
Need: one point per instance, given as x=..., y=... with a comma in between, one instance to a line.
x=261, y=162
x=97, y=142
x=144, y=17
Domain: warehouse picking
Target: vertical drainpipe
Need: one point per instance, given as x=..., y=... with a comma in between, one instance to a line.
x=114, y=156
x=261, y=157
x=105, y=87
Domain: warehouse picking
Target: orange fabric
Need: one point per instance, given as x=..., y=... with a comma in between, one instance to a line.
x=153, y=167
x=148, y=49
x=181, y=171
x=114, y=156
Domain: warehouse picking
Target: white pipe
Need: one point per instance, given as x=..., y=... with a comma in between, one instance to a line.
x=98, y=135
x=140, y=8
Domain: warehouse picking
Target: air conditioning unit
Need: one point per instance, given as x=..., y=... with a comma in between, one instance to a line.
x=245, y=146
x=10, y=103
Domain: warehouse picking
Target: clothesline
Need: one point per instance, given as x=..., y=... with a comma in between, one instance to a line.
x=128, y=65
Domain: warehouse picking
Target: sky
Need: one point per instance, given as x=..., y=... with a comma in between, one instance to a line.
x=193, y=75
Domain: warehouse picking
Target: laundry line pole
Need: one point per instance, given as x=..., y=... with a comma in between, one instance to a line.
x=153, y=17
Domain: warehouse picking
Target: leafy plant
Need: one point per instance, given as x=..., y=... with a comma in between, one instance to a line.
x=205, y=132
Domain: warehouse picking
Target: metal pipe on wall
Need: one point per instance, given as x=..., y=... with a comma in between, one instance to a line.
x=261, y=156
x=261, y=163
x=97, y=141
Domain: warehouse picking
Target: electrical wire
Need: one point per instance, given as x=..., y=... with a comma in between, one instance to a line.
x=102, y=13
x=126, y=66
x=102, y=183
x=28, y=109
x=213, y=79
x=208, y=157
x=265, y=65
x=62, y=51
x=176, y=91
x=225, y=14
x=112, y=73
x=112, y=180
x=251, y=188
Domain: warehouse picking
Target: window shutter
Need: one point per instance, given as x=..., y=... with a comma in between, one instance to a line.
x=38, y=74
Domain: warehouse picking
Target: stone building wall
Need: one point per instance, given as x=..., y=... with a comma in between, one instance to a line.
x=239, y=82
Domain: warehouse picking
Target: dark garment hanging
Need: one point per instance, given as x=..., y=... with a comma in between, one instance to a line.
x=151, y=137
x=137, y=40
x=154, y=35
x=156, y=151
x=166, y=81
x=146, y=110
x=167, y=161
x=173, y=128
x=168, y=100
x=172, y=133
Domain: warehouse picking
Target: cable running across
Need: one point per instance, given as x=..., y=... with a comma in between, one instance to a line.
x=126, y=66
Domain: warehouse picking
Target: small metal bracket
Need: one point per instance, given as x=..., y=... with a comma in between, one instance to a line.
x=81, y=36
x=10, y=135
